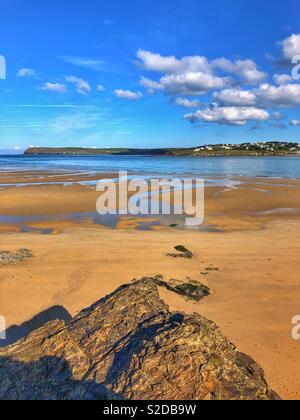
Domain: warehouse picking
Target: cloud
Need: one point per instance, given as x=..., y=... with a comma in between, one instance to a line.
x=278, y=116
x=156, y=62
x=189, y=83
x=282, y=79
x=89, y=63
x=24, y=72
x=196, y=75
x=186, y=103
x=236, y=97
x=74, y=122
x=70, y=106
x=191, y=75
x=280, y=126
x=54, y=87
x=290, y=47
x=109, y=21
x=127, y=94
x=238, y=116
x=100, y=88
x=150, y=84
x=170, y=64
x=245, y=69
x=295, y=123
x=266, y=95
x=82, y=86
x=287, y=95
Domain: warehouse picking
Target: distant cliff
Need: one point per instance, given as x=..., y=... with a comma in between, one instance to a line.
x=80, y=151
x=275, y=148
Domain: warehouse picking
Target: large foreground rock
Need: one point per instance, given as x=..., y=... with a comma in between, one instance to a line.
x=129, y=346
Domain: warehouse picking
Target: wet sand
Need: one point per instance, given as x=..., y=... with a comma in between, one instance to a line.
x=256, y=291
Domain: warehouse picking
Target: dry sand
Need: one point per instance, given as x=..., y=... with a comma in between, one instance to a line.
x=255, y=294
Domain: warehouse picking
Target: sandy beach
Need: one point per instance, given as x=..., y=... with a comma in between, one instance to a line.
x=248, y=256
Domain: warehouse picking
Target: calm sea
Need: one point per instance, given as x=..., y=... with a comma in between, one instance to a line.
x=275, y=167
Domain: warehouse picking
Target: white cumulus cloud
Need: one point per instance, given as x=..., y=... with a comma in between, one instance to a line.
x=290, y=47
x=170, y=64
x=196, y=75
x=235, y=97
x=24, y=72
x=295, y=123
x=128, y=94
x=229, y=115
x=191, y=83
x=101, y=88
x=265, y=96
x=54, y=87
x=287, y=95
x=82, y=86
x=282, y=79
x=187, y=103
x=245, y=69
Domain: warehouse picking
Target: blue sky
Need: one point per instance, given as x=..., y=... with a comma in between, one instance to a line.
x=165, y=73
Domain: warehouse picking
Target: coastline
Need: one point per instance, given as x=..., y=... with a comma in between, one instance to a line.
x=266, y=148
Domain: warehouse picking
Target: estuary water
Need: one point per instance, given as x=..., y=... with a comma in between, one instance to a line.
x=272, y=167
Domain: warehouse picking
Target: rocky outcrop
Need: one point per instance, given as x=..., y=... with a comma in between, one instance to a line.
x=130, y=346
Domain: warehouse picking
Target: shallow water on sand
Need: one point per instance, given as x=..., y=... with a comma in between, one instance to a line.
x=141, y=222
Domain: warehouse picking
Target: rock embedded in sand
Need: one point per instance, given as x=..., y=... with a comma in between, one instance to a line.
x=130, y=346
x=10, y=258
x=182, y=252
x=189, y=289
x=212, y=268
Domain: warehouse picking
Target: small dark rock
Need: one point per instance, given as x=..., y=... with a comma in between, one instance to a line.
x=211, y=268
x=182, y=252
x=181, y=248
x=190, y=289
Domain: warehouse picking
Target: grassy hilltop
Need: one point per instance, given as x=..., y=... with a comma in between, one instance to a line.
x=243, y=149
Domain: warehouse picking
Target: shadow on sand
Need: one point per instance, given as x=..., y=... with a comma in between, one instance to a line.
x=16, y=332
